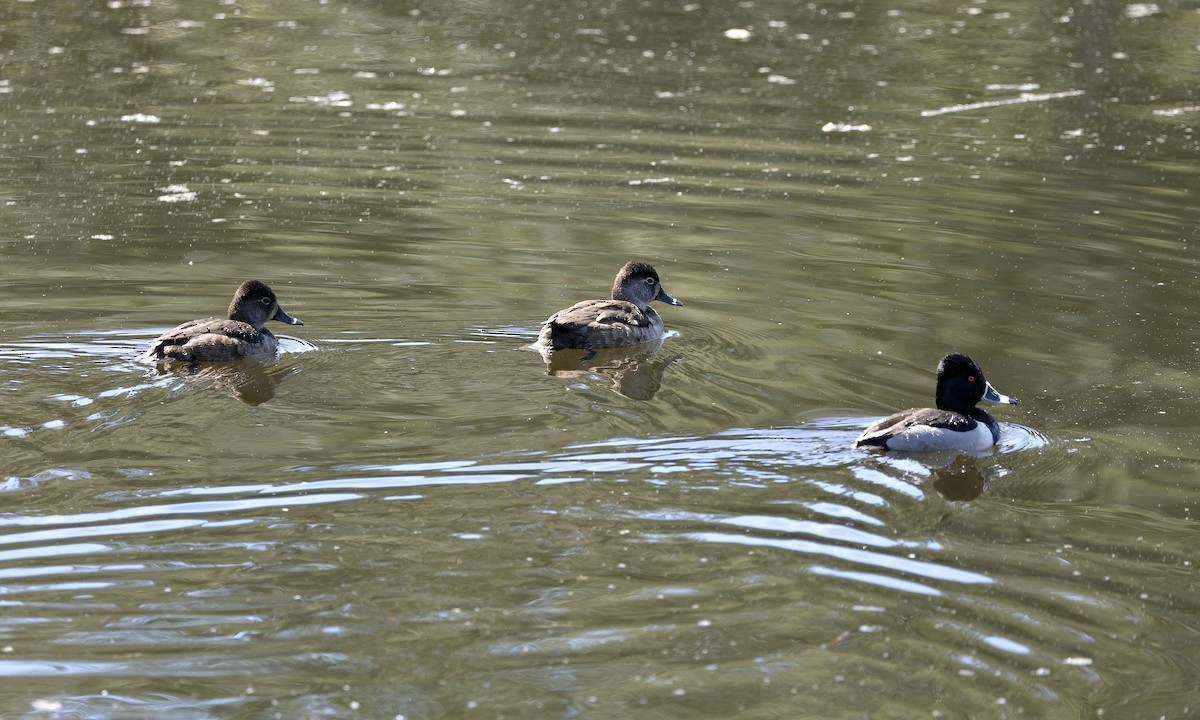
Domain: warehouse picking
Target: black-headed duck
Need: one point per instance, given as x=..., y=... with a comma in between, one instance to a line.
x=956, y=424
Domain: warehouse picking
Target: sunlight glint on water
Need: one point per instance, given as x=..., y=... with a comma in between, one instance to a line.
x=408, y=514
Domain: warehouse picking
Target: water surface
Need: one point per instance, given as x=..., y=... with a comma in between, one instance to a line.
x=408, y=514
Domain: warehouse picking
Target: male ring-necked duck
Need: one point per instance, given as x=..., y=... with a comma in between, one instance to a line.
x=956, y=424
x=241, y=335
x=626, y=319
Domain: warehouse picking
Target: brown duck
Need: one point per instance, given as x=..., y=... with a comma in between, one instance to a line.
x=626, y=319
x=241, y=335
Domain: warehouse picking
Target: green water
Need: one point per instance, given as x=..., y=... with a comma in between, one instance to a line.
x=408, y=514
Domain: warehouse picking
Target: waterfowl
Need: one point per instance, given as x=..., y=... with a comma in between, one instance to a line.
x=625, y=319
x=241, y=335
x=956, y=424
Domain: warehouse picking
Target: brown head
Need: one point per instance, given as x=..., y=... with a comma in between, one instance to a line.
x=254, y=303
x=638, y=283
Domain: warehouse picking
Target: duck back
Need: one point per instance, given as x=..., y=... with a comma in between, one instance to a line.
x=600, y=324
x=212, y=340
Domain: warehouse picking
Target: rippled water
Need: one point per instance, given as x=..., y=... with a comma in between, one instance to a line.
x=410, y=514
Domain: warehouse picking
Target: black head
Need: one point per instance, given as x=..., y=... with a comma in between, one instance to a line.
x=961, y=385
x=638, y=283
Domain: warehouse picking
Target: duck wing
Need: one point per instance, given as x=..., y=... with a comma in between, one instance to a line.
x=596, y=323
x=173, y=344
x=600, y=313
x=880, y=431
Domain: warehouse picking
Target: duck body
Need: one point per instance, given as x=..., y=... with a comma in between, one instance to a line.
x=930, y=429
x=595, y=324
x=622, y=320
x=241, y=335
x=955, y=424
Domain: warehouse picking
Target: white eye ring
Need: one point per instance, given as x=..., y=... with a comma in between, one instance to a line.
x=266, y=301
x=649, y=281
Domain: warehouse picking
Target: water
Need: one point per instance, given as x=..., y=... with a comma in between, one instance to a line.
x=409, y=514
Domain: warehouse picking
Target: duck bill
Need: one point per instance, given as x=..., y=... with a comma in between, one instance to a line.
x=992, y=396
x=664, y=297
x=283, y=317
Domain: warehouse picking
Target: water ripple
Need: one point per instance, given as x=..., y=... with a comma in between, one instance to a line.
x=777, y=553
x=199, y=666
x=214, y=508
x=932, y=571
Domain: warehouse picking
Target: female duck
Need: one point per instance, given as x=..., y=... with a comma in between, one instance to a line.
x=956, y=424
x=626, y=319
x=242, y=335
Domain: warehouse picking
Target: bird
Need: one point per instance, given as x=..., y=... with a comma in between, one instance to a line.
x=955, y=424
x=241, y=335
x=625, y=319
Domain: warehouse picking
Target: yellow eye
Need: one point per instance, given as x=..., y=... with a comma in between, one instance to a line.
x=970, y=378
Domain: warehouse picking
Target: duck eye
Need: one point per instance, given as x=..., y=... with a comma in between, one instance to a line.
x=649, y=281
x=970, y=378
x=266, y=301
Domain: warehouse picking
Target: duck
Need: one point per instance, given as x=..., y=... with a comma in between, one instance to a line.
x=623, y=320
x=241, y=335
x=955, y=424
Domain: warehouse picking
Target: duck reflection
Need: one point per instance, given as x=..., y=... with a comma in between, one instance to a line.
x=964, y=479
x=636, y=371
x=250, y=380
x=957, y=476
